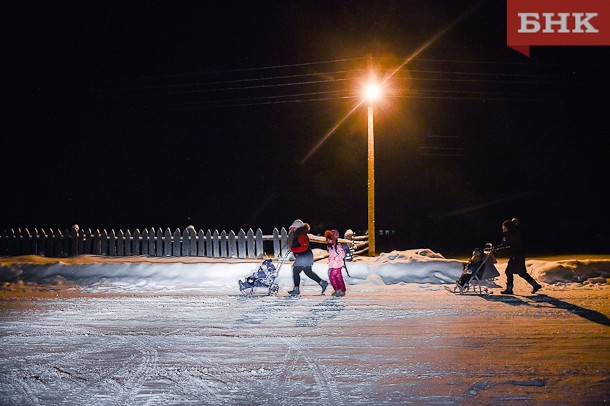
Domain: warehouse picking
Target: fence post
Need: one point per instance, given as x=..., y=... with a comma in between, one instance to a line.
x=192, y=241
x=201, y=243
x=223, y=244
x=232, y=245
x=97, y=243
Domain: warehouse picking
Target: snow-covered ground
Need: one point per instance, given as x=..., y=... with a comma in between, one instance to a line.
x=145, y=331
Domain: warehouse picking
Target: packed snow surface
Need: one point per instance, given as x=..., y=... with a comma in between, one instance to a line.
x=152, y=331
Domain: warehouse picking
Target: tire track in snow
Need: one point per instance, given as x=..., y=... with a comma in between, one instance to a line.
x=325, y=382
x=11, y=385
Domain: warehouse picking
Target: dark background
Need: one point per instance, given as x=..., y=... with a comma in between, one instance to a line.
x=165, y=114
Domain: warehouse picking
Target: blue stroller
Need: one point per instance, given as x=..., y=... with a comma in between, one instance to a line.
x=263, y=277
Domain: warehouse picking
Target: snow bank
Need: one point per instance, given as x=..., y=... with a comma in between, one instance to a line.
x=421, y=266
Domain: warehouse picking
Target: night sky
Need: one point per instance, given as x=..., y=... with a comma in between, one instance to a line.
x=165, y=114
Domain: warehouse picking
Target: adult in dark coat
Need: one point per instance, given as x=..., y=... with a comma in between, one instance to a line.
x=512, y=248
x=298, y=241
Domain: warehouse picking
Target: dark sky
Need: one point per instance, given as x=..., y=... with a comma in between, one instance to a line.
x=165, y=114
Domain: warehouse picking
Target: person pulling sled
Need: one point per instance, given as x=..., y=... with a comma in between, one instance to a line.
x=299, y=244
x=512, y=248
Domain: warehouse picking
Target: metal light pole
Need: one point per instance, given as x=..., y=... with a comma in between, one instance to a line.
x=371, y=179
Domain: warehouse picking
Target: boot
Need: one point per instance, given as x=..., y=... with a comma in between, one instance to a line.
x=241, y=285
x=337, y=292
x=324, y=285
x=294, y=291
x=508, y=290
x=537, y=287
x=340, y=293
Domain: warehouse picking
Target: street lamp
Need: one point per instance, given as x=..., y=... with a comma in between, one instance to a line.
x=372, y=92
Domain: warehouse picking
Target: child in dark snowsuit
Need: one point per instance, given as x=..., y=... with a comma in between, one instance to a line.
x=473, y=265
x=336, y=256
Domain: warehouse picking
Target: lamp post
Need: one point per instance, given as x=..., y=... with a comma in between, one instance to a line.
x=371, y=181
x=372, y=92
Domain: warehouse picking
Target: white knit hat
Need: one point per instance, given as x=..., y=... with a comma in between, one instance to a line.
x=297, y=224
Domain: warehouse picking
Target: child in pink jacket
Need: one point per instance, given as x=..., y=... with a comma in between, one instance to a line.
x=336, y=254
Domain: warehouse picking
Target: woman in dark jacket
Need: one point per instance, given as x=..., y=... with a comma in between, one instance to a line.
x=512, y=248
x=299, y=245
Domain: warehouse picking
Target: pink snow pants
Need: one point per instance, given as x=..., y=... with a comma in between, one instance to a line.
x=336, y=279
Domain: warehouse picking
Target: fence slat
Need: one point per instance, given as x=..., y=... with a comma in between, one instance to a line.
x=176, y=250
x=250, y=244
x=232, y=245
x=241, y=244
x=284, y=242
x=104, y=242
x=260, y=251
x=128, y=243
x=120, y=246
x=112, y=244
x=159, y=243
x=167, y=243
x=87, y=241
x=135, y=243
x=144, y=242
x=223, y=244
x=208, y=243
x=186, y=242
x=201, y=243
x=215, y=244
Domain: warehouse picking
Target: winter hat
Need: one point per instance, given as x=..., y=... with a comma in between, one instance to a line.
x=349, y=234
x=511, y=224
x=335, y=233
x=297, y=224
x=328, y=234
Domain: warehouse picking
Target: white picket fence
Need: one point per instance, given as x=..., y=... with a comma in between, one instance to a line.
x=156, y=243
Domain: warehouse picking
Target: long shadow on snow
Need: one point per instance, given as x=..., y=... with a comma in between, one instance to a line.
x=591, y=315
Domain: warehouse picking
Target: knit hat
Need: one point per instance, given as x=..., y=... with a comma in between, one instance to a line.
x=328, y=234
x=297, y=224
x=510, y=224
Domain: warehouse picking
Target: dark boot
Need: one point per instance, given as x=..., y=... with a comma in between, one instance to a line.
x=508, y=290
x=324, y=285
x=294, y=291
x=537, y=287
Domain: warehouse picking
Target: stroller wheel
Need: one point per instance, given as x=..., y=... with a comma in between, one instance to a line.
x=274, y=289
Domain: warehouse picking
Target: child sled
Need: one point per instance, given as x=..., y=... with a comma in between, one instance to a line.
x=262, y=281
x=479, y=272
